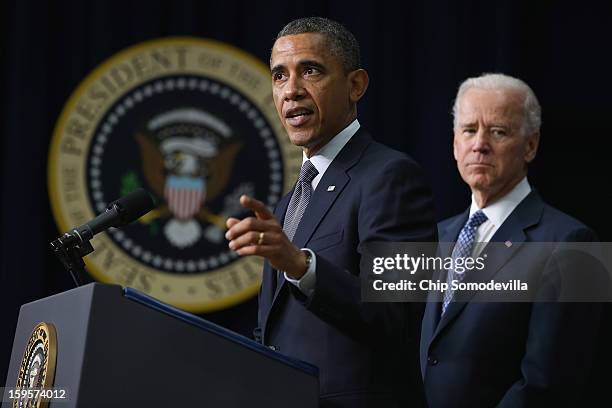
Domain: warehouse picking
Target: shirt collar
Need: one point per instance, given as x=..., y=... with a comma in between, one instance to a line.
x=502, y=208
x=323, y=158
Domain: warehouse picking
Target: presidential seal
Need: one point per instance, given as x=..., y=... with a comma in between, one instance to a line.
x=193, y=122
x=37, y=368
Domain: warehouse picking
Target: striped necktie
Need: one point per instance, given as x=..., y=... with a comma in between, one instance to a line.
x=463, y=248
x=300, y=199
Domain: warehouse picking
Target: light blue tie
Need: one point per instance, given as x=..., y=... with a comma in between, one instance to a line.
x=463, y=248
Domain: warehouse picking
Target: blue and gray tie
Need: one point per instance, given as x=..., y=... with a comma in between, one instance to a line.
x=463, y=248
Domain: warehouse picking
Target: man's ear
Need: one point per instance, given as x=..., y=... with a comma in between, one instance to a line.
x=455, y=143
x=532, y=146
x=358, y=81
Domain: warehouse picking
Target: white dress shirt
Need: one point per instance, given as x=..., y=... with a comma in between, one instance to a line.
x=321, y=160
x=497, y=213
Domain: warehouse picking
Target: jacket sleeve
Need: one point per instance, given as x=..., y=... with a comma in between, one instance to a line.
x=562, y=334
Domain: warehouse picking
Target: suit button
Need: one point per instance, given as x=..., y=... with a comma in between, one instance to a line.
x=432, y=360
x=273, y=348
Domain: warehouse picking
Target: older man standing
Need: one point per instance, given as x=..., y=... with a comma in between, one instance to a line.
x=351, y=190
x=477, y=354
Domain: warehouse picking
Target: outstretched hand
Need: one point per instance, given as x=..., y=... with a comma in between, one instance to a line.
x=262, y=235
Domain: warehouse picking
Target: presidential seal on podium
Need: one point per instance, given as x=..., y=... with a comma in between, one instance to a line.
x=37, y=368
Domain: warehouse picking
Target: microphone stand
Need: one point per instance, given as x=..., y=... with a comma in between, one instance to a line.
x=70, y=250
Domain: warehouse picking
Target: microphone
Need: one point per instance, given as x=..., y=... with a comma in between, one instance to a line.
x=71, y=247
x=118, y=213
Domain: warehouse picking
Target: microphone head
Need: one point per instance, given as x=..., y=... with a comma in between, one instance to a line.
x=132, y=206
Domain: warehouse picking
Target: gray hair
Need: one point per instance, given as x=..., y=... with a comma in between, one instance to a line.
x=342, y=43
x=532, y=112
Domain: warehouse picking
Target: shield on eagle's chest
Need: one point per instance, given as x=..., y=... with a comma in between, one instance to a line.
x=184, y=195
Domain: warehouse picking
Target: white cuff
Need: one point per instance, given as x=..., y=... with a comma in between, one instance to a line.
x=306, y=284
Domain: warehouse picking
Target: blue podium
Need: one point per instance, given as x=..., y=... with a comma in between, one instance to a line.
x=116, y=347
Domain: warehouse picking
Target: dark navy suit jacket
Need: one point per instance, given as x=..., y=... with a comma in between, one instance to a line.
x=367, y=353
x=510, y=354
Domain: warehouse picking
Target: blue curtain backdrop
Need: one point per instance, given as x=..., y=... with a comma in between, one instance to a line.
x=416, y=55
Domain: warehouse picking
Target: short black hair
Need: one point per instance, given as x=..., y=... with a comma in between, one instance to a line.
x=342, y=43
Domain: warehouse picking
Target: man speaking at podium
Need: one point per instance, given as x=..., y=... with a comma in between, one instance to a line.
x=350, y=190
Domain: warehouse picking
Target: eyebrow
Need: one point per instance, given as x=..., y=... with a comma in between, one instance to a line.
x=303, y=63
x=277, y=68
x=313, y=64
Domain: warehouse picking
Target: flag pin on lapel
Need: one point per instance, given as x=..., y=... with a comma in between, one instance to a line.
x=331, y=188
x=508, y=244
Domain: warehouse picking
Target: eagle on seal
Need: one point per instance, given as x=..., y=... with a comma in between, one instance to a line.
x=187, y=158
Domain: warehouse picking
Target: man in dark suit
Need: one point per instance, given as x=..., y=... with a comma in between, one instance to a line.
x=479, y=354
x=351, y=190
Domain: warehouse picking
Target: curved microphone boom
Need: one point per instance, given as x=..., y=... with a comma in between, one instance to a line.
x=118, y=213
x=71, y=247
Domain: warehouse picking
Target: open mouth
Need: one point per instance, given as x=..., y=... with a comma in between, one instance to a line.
x=298, y=116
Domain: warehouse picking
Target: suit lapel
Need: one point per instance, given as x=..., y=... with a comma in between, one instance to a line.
x=335, y=175
x=512, y=231
x=269, y=289
x=322, y=200
x=495, y=260
x=279, y=213
x=431, y=317
x=281, y=208
x=451, y=232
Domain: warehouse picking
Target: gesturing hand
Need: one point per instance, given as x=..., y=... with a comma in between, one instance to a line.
x=262, y=235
